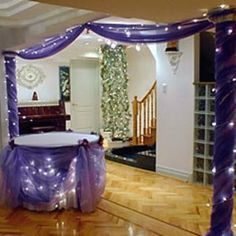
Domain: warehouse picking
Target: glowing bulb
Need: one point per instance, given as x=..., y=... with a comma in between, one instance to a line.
x=231, y=170
x=12, y=85
x=214, y=170
x=213, y=90
x=204, y=14
x=195, y=20
x=217, y=50
x=138, y=48
x=213, y=123
x=26, y=167
x=113, y=45
x=14, y=124
x=208, y=205
x=41, y=187
x=234, y=151
x=108, y=42
x=234, y=79
x=40, y=170
x=166, y=29
x=128, y=33
x=224, y=6
x=179, y=27
x=231, y=124
x=229, y=31
x=49, y=159
x=224, y=199
x=26, y=189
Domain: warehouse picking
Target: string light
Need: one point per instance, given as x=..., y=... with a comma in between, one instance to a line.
x=138, y=48
x=224, y=6
x=224, y=199
x=179, y=27
x=231, y=170
x=230, y=31
x=214, y=170
x=128, y=33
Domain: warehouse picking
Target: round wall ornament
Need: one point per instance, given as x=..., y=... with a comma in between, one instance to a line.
x=29, y=76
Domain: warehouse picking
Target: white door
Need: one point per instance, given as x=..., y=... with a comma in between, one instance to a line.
x=85, y=99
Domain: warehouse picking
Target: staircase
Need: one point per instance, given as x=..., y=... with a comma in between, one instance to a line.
x=144, y=118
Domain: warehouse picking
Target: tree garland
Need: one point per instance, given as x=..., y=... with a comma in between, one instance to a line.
x=115, y=102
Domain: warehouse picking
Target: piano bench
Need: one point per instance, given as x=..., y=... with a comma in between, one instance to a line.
x=41, y=129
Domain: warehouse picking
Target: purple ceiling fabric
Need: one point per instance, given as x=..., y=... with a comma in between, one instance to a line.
x=52, y=45
x=39, y=176
x=139, y=33
x=135, y=33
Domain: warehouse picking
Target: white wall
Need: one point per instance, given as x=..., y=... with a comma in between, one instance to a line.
x=141, y=71
x=175, y=111
x=48, y=90
x=141, y=74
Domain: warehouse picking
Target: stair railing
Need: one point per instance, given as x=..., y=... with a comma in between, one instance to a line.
x=144, y=116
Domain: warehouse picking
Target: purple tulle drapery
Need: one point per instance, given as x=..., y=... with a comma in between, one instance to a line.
x=225, y=91
x=225, y=129
x=132, y=33
x=43, y=177
x=13, y=121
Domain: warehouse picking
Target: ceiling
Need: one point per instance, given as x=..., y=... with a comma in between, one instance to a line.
x=164, y=11
x=34, y=21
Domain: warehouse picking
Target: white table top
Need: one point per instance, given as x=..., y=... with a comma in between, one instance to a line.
x=54, y=139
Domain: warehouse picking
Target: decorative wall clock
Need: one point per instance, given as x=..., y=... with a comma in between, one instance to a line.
x=30, y=76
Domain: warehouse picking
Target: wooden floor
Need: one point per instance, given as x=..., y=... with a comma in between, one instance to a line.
x=135, y=203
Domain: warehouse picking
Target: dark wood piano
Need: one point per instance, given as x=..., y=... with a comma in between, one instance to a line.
x=42, y=118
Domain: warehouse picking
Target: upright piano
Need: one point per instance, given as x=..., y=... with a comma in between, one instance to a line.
x=38, y=118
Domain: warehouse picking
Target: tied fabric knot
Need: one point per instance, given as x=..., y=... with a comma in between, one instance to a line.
x=100, y=140
x=12, y=144
x=84, y=143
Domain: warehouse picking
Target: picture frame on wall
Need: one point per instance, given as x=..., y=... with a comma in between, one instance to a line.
x=64, y=82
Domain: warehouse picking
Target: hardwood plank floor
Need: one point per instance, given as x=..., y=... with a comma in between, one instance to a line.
x=135, y=203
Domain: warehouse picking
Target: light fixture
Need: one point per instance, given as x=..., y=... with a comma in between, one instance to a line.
x=173, y=55
x=137, y=47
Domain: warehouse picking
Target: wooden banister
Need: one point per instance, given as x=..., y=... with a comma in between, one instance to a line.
x=144, y=117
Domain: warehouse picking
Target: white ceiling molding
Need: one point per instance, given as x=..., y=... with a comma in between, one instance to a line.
x=4, y=4
x=17, y=7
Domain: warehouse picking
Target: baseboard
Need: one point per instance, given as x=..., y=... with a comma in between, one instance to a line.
x=175, y=173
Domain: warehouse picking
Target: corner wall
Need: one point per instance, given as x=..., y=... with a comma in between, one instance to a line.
x=141, y=74
x=175, y=121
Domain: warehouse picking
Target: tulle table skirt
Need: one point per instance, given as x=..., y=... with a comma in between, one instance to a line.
x=51, y=171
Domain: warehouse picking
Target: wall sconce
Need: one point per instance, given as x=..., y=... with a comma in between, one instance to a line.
x=173, y=55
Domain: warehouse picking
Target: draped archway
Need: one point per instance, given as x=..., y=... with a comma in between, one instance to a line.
x=225, y=23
